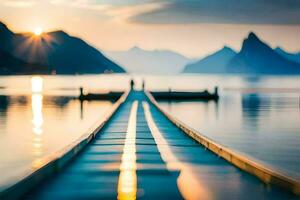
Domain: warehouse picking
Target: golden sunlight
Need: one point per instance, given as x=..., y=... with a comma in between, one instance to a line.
x=37, y=111
x=37, y=103
x=127, y=184
x=36, y=84
x=38, y=31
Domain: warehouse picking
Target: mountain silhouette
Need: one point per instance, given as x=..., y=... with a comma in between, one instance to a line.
x=255, y=57
x=9, y=65
x=290, y=56
x=59, y=51
x=214, y=63
x=137, y=60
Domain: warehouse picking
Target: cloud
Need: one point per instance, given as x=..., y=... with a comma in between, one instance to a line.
x=284, y=12
x=126, y=12
x=82, y=4
x=222, y=11
x=118, y=10
x=18, y=3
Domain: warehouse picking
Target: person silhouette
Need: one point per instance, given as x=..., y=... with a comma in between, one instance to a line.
x=143, y=85
x=131, y=84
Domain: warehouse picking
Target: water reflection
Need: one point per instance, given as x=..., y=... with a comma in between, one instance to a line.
x=38, y=123
x=253, y=107
x=37, y=113
x=267, y=121
x=4, y=103
x=36, y=84
x=37, y=104
x=81, y=109
x=210, y=108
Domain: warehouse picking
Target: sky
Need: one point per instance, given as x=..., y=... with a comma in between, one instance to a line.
x=193, y=28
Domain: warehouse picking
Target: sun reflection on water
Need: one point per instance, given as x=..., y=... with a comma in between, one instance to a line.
x=37, y=114
x=36, y=84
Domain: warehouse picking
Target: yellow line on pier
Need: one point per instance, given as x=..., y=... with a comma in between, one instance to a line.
x=127, y=184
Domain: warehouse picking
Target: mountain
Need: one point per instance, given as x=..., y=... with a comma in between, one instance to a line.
x=214, y=63
x=9, y=65
x=137, y=60
x=59, y=51
x=291, y=56
x=255, y=57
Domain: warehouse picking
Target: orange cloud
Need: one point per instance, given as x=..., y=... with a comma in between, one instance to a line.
x=17, y=3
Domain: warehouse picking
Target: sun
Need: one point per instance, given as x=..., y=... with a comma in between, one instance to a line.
x=38, y=31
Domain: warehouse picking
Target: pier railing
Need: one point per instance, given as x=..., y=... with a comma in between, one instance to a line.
x=264, y=173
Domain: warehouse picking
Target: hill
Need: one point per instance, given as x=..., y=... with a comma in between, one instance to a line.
x=137, y=60
x=255, y=57
x=214, y=63
x=59, y=51
x=9, y=65
x=290, y=56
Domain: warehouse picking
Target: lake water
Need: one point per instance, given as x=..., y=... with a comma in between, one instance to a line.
x=38, y=117
x=259, y=117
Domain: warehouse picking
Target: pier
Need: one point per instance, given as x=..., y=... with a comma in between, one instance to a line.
x=163, y=95
x=185, y=95
x=99, y=96
x=138, y=151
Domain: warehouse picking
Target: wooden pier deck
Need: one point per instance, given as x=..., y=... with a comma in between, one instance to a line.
x=140, y=153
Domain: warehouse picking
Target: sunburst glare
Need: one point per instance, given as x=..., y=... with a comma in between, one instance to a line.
x=38, y=31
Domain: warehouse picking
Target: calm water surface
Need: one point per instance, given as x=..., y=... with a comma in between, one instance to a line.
x=38, y=117
x=259, y=117
x=256, y=116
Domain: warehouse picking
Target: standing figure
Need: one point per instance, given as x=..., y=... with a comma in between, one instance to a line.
x=143, y=85
x=131, y=84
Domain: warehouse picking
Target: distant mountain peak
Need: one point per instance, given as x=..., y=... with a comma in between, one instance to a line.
x=252, y=35
x=292, y=56
x=2, y=24
x=255, y=57
x=284, y=51
x=59, y=33
x=279, y=49
x=213, y=63
x=3, y=27
x=135, y=48
x=227, y=48
x=252, y=38
x=64, y=53
x=138, y=60
x=252, y=43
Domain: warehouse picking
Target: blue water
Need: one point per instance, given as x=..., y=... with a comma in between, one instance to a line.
x=259, y=117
